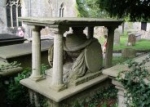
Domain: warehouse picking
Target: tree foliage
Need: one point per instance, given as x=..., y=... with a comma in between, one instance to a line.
x=90, y=8
x=134, y=9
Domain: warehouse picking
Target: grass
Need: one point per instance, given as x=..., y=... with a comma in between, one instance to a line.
x=119, y=59
x=140, y=45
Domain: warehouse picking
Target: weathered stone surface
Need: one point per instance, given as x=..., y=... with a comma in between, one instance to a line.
x=117, y=35
x=42, y=86
x=44, y=89
x=145, y=34
x=114, y=71
x=93, y=56
x=72, y=21
x=131, y=40
x=3, y=18
x=22, y=52
x=8, y=69
x=9, y=39
x=128, y=53
x=100, y=31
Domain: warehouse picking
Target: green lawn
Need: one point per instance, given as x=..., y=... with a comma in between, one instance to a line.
x=119, y=60
x=140, y=45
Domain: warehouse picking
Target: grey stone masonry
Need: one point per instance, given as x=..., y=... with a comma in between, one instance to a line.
x=114, y=71
x=2, y=15
x=53, y=86
x=22, y=52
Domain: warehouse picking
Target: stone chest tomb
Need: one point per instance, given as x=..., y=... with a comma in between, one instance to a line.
x=76, y=59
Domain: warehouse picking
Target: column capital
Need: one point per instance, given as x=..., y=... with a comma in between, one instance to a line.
x=59, y=29
x=111, y=27
x=36, y=28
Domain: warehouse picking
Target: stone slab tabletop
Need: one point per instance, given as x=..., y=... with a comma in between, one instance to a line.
x=113, y=71
x=22, y=49
x=70, y=21
x=43, y=87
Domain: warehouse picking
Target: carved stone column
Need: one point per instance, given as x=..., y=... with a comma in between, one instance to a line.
x=90, y=32
x=57, y=75
x=121, y=91
x=109, y=47
x=36, y=54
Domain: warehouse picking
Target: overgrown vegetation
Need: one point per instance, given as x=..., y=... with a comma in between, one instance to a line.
x=134, y=9
x=16, y=94
x=9, y=66
x=90, y=8
x=105, y=97
x=119, y=59
x=135, y=81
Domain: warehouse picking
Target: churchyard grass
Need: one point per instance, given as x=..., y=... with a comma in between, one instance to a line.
x=140, y=45
x=119, y=59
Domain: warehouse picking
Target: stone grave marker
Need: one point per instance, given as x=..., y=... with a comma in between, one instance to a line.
x=128, y=53
x=117, y=37
x=131, y=40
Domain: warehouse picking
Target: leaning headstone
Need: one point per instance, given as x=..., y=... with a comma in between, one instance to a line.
x=128, y=53
x=138, y=36
x=117, y=37
x=131, y=40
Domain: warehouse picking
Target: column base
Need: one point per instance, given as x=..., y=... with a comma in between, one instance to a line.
x=58, y=87
x=121, y=91
x=37, y=78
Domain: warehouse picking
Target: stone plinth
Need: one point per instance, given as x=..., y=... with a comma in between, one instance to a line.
x=128, y=53
x=69, y=95
x=52, y=87
x=113, y=72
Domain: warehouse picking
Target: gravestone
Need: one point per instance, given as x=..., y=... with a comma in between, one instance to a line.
x=131, y=40
x=22, y=52
x=117, y=37
x=10, y=39
x=128, y=53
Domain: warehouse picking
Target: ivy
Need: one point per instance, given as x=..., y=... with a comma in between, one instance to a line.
x=9, y=66
x=100, y=98
x=16, y=94
x=135, y=82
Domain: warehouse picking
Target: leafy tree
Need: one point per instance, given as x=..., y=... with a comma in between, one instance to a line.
x=90, y=8
x=136, y=10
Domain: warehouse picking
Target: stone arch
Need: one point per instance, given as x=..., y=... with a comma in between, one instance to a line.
x=61, y=9
x=13, y=11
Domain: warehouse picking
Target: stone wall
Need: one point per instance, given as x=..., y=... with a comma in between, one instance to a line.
x=50, y=8
x=47, y=8
x=3, y=23
x=38, y=8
